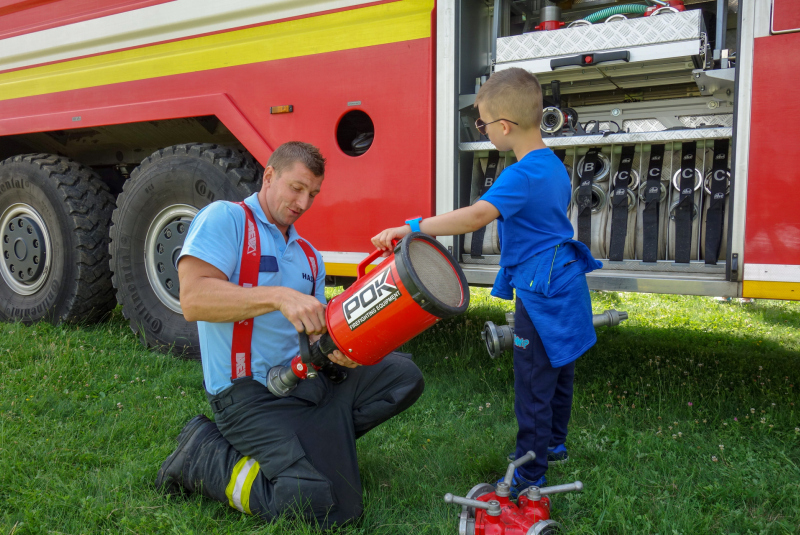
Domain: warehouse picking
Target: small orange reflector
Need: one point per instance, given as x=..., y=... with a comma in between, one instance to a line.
x=281, y=109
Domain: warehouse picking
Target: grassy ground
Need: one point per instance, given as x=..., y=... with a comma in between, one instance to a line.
x=686, y=420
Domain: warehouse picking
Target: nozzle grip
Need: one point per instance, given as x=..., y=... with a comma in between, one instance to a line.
x=362, y=266
x=516, y=464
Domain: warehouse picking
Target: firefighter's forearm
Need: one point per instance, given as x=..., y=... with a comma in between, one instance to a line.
x=461, y=221
x=219, y=301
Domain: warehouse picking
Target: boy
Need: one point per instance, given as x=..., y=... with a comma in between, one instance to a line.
x=539, y=258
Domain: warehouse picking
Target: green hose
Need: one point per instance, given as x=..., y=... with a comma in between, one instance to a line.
x=607, y=12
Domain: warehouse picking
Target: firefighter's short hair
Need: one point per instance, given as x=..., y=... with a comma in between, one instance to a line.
x=293, y=152
x=513, y=94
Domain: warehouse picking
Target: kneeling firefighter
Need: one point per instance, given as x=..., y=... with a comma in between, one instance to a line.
x=279, y=444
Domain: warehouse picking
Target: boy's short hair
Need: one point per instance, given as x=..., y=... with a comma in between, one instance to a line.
x=513, y=94
x=291, y=152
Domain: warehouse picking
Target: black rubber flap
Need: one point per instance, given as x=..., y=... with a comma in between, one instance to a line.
x=685, y=209
x=587, y=174
x=652, y=199
x=619, y=202
x=716, y=206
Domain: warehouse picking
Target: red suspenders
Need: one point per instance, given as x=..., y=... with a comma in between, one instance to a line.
x=248, y=278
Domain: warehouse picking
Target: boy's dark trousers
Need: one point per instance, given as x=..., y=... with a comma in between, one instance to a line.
x=543, y=396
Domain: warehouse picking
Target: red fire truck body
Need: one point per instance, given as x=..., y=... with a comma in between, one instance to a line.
x=120, y=119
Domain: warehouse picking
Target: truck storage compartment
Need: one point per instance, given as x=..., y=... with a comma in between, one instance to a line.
x=649, y=101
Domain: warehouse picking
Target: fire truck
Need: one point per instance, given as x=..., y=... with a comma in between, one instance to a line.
x=121, y=119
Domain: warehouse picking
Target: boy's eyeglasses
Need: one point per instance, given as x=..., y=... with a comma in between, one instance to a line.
x=481, y=126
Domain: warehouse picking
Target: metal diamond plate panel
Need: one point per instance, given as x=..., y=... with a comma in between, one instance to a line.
x=693, y=121
x=618, y=139
x=643, y=31
x=643, y=125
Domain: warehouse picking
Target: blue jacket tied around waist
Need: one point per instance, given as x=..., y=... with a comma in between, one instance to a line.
x=552, y=286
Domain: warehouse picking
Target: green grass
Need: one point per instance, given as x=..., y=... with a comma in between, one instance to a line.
x=685, y=420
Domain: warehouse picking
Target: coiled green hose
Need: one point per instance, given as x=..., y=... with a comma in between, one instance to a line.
x=607, y=12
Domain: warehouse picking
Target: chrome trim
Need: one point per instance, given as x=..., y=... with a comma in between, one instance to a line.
x=446, y=127
x=184, y=212
x=25, y=210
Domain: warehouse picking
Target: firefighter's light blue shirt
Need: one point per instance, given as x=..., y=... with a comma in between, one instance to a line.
x=216, y=236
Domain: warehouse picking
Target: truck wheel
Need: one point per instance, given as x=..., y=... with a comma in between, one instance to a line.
x=153, y=214
x=54, y=217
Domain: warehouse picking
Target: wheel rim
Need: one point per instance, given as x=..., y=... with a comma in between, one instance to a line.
x=162, y=248
x=26, y=249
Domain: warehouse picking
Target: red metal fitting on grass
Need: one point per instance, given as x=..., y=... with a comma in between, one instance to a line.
x=488, y=510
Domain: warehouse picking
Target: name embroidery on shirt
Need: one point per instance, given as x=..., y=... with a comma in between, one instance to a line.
x=522, y=343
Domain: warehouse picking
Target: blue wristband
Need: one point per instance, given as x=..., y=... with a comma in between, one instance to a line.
x=414, y=224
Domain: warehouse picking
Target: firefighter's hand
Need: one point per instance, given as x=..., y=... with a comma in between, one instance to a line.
x=384, y=239
x=337, y=357
x=305, y=312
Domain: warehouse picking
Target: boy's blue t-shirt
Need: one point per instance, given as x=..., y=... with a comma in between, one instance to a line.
x=539, y=258
x=532, y=197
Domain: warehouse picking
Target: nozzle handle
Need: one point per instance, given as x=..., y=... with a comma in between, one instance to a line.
x=536, y=493
x=492, y=506
x=362, y=266
x=516, y=464
x=558, y=489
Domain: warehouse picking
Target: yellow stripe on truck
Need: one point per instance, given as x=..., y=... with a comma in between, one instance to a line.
x=771, y=290
x=355, y=28
x=345, y=270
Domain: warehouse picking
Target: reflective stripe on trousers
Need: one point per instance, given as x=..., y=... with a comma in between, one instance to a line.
x=241, y=483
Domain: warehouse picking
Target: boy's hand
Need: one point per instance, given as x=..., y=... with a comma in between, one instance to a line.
x=384, y=239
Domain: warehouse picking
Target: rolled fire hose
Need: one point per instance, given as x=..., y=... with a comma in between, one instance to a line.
x=500, y=338
x=599, y=244
x=491, y=237
x=599, y=215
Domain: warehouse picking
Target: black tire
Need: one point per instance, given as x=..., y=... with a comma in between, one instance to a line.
x=68, y=207
x=160, y=198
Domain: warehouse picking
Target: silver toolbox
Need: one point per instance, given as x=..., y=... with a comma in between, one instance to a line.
x=660, y=49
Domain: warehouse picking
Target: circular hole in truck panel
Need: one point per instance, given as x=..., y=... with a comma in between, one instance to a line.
x=355, y=133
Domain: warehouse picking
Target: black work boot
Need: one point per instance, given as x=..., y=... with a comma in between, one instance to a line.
x=170, y=476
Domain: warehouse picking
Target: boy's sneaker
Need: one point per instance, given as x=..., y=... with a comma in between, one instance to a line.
x=555, y=455
x=519, y=484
